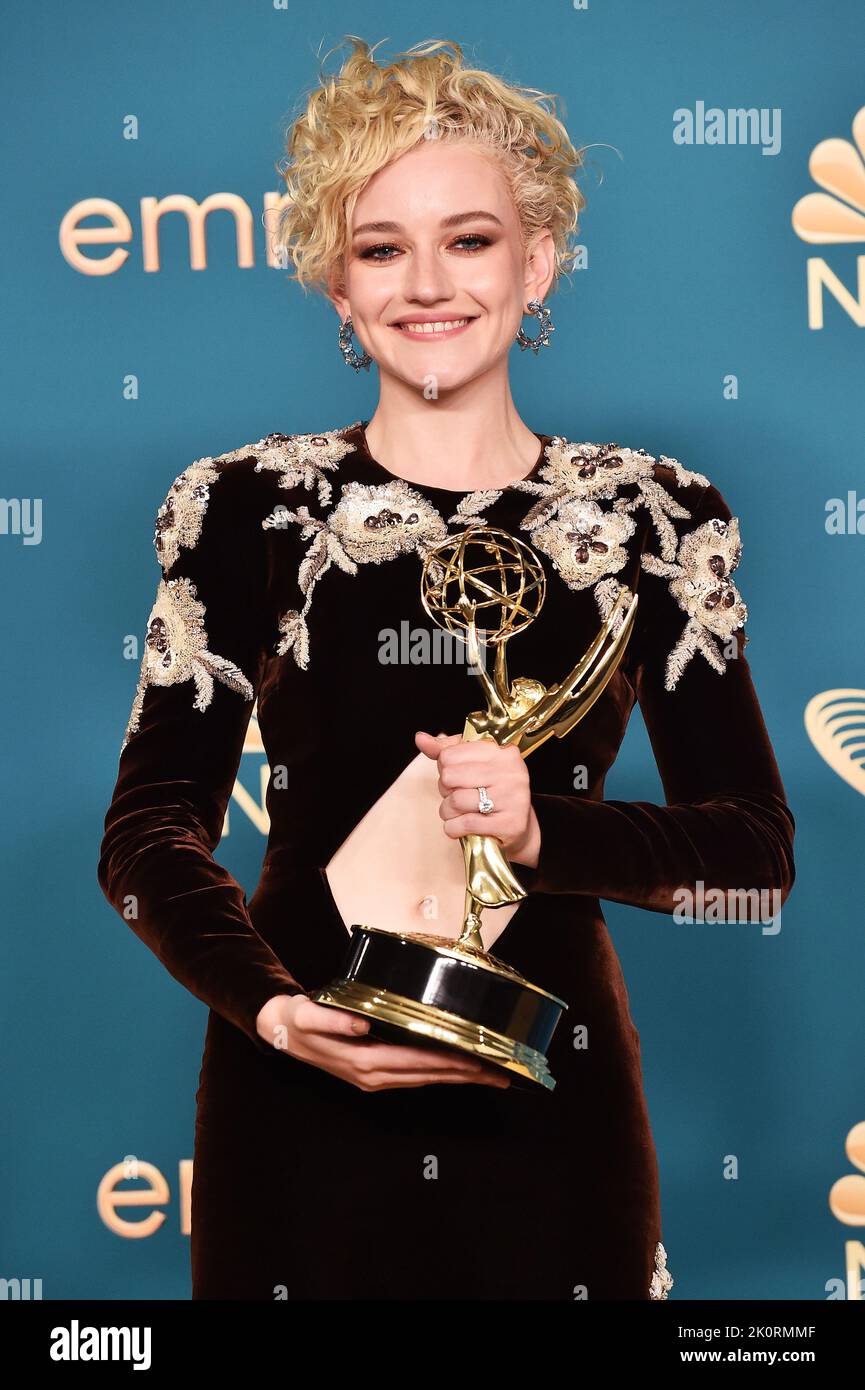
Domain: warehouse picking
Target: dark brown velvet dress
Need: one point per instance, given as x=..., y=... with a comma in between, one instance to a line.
x=282, y=563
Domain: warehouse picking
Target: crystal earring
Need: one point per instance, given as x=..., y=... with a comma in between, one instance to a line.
x=350, y=356
x=545, y=328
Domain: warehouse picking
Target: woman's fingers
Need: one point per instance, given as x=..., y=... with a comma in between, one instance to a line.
x=470, y=767
x=375, y=1055
x=466, y=765
x=433, y=744
x=482, y=750
x=474, y=775
x=464, y=801
x=462, y=759
x=310, y=1017
x=325, y=1037
x=392, y=1058
x=498, y=824
x=436, y=1067
x=370, y=1059
x=398, y=1079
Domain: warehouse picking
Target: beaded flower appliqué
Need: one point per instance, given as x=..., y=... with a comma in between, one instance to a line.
x=591, y=473
x=369, y=525
x=584, y=542
x=305, y=459
x=179, y=519
x=176, y=649
x=662, y=1279
x=702, y=587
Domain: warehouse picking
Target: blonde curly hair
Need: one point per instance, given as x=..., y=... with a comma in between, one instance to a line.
x=368, y=114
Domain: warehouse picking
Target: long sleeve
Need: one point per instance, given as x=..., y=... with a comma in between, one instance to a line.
x=726, y=824
x=205, y=651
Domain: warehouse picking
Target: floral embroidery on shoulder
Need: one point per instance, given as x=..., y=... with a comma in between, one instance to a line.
x=662, y=1279
x=179, y=519
x=596, y=472
x=701, y=584
x=371, y=523
x=300, y=459
x=176, y=649
x=587, y=470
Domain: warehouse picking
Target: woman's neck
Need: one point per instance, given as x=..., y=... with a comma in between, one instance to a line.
x=465, y=441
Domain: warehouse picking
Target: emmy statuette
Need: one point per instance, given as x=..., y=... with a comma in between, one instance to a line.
x=434, y=989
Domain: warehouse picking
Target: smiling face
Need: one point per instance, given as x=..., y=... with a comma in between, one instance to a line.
x=436, y=277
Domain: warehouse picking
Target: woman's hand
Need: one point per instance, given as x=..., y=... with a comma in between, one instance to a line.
x=332, y=1039
x=463, y=767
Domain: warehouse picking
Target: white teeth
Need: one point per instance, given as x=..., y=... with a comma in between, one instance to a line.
x=433, y=327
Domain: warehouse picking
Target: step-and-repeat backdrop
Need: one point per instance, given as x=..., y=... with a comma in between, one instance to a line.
x=717, y=315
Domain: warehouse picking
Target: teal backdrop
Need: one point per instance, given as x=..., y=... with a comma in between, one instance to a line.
x=687, y=333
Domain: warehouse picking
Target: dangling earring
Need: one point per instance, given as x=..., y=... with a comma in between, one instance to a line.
x=350, y=356
x=545, y=328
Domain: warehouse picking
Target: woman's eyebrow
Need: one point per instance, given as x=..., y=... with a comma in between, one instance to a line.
x=456, y=219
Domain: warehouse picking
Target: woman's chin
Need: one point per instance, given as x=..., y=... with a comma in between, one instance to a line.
x=427, y=378
x=433, y=376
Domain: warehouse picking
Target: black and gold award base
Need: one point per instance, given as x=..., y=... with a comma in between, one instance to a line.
x=422, y=989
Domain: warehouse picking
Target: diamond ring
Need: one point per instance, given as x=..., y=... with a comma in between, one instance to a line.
x=485, y=805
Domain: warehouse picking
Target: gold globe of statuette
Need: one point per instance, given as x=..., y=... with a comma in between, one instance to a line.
x=485, y=572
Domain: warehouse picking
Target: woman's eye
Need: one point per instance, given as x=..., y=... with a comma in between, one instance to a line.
x=480, y=241
x=370, y=254
x=385, y=251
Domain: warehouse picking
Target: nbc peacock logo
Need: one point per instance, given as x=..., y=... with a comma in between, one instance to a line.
x=834, y=217
x=835, y=722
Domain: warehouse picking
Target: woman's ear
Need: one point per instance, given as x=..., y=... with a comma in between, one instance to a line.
x=540, y=265
x=337, y=295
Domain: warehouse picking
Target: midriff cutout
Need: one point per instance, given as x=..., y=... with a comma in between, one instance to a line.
x=397, y=870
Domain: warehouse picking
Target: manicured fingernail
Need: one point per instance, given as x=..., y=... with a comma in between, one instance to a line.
x=360, y=1025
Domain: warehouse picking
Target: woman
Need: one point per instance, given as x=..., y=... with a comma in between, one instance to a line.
x=435, y=205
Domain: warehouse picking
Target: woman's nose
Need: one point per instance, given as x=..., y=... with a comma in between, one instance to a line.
x=427, y=277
